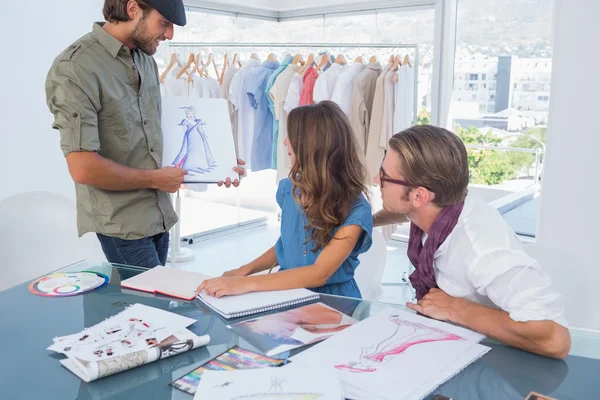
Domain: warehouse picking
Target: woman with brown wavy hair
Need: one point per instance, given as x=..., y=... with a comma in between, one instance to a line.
x=326, y=220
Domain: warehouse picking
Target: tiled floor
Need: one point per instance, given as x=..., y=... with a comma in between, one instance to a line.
x=216, y=255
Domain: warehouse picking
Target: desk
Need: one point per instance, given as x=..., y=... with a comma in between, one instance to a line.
x=29, y=371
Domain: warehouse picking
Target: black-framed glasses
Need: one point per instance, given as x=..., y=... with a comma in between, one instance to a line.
x=383, y=178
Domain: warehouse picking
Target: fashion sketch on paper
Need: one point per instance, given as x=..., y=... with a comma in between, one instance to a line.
x=406, y=335
x=195, y=154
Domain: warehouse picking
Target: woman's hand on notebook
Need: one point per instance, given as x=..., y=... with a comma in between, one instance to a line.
x=235, y=273
x=225, y=286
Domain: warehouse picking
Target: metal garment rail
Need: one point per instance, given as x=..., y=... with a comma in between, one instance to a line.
x=233, y=45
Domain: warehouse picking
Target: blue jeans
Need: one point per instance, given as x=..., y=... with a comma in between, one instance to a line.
x=146, y=253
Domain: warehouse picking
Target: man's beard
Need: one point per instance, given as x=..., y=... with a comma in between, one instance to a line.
x=142, y=39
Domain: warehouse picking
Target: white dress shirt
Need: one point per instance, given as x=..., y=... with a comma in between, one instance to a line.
x=292, y=99
x=389, y=104
x=326, y=82
x=239, y=98
x=342, y=93
x=405, y=99
x=483, y=261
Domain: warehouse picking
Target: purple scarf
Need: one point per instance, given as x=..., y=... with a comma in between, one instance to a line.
x=421, y=257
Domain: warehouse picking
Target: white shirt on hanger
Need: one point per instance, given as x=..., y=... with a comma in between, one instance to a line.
x=292, y=99
x=387, y=127
x=342, y=93
x=405, y=99
x=483, y=261
x=239, y=98
x=206, y=87
x=326, y=82
x=279, y=93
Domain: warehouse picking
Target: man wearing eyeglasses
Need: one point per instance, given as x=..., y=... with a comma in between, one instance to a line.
x=470, y=268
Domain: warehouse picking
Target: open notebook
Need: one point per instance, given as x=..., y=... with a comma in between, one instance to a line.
x=168, y=281
x=257, y=302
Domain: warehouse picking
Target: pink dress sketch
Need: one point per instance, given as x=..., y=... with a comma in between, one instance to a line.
x=195, y=154
x=411, y=334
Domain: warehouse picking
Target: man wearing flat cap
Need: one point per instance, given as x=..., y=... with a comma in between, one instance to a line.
x=104, y=93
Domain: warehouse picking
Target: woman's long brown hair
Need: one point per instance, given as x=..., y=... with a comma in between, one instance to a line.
x=328, y=175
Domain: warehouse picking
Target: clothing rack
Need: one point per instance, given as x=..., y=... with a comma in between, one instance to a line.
x=181, y=254
x=324, y=46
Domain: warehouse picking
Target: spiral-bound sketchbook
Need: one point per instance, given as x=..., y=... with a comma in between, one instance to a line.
x=257, y=302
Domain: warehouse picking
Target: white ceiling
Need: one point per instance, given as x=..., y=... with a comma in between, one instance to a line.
x=296, y=8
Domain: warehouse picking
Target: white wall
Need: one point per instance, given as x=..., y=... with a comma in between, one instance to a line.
x=30, y=155
x=569, y=222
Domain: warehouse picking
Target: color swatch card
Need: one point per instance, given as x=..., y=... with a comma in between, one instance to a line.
x=64, y=284
x=235, y=358
x=271, y=384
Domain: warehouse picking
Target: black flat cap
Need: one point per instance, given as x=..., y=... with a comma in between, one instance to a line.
x=173, y=10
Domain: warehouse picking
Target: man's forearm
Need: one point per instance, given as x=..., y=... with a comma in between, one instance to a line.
x=383, y=217
x=89, y=168
x=545, y=338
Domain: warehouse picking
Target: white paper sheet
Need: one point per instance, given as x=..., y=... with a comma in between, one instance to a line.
x=197, y=136
x=137, y=328
x=284, y=383
x=393, y=354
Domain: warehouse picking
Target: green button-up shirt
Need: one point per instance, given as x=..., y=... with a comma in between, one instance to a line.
x=106, y=98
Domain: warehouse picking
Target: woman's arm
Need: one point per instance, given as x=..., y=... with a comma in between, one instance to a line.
x=315, y=275
x=267, y=260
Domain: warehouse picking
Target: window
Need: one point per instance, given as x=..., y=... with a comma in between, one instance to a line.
x=518, y=85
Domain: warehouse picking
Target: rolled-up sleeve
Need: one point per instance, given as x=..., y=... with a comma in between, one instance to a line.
x=517, y=284
x=73, y=98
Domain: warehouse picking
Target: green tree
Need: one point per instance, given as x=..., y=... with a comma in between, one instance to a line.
x=424, y=117
x=486, y=166
x=492, y=167
x=530, y=139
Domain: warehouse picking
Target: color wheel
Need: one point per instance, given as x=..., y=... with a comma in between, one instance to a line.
x=64, y=284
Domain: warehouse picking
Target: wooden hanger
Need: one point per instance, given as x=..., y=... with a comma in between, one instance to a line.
x=397, y=63
x=359, y=59
x=323, y=62
x=298, y=59
x=406, y=61
x=271, y=57
x=255, y=56
x=174, y=60
x=192, y=72
x=236, y=58
x=211, y=60
x=392, y=59
x=340, y=59
x=225, y=65
x=373, y=59
x=191, y=61
x=309, y=62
